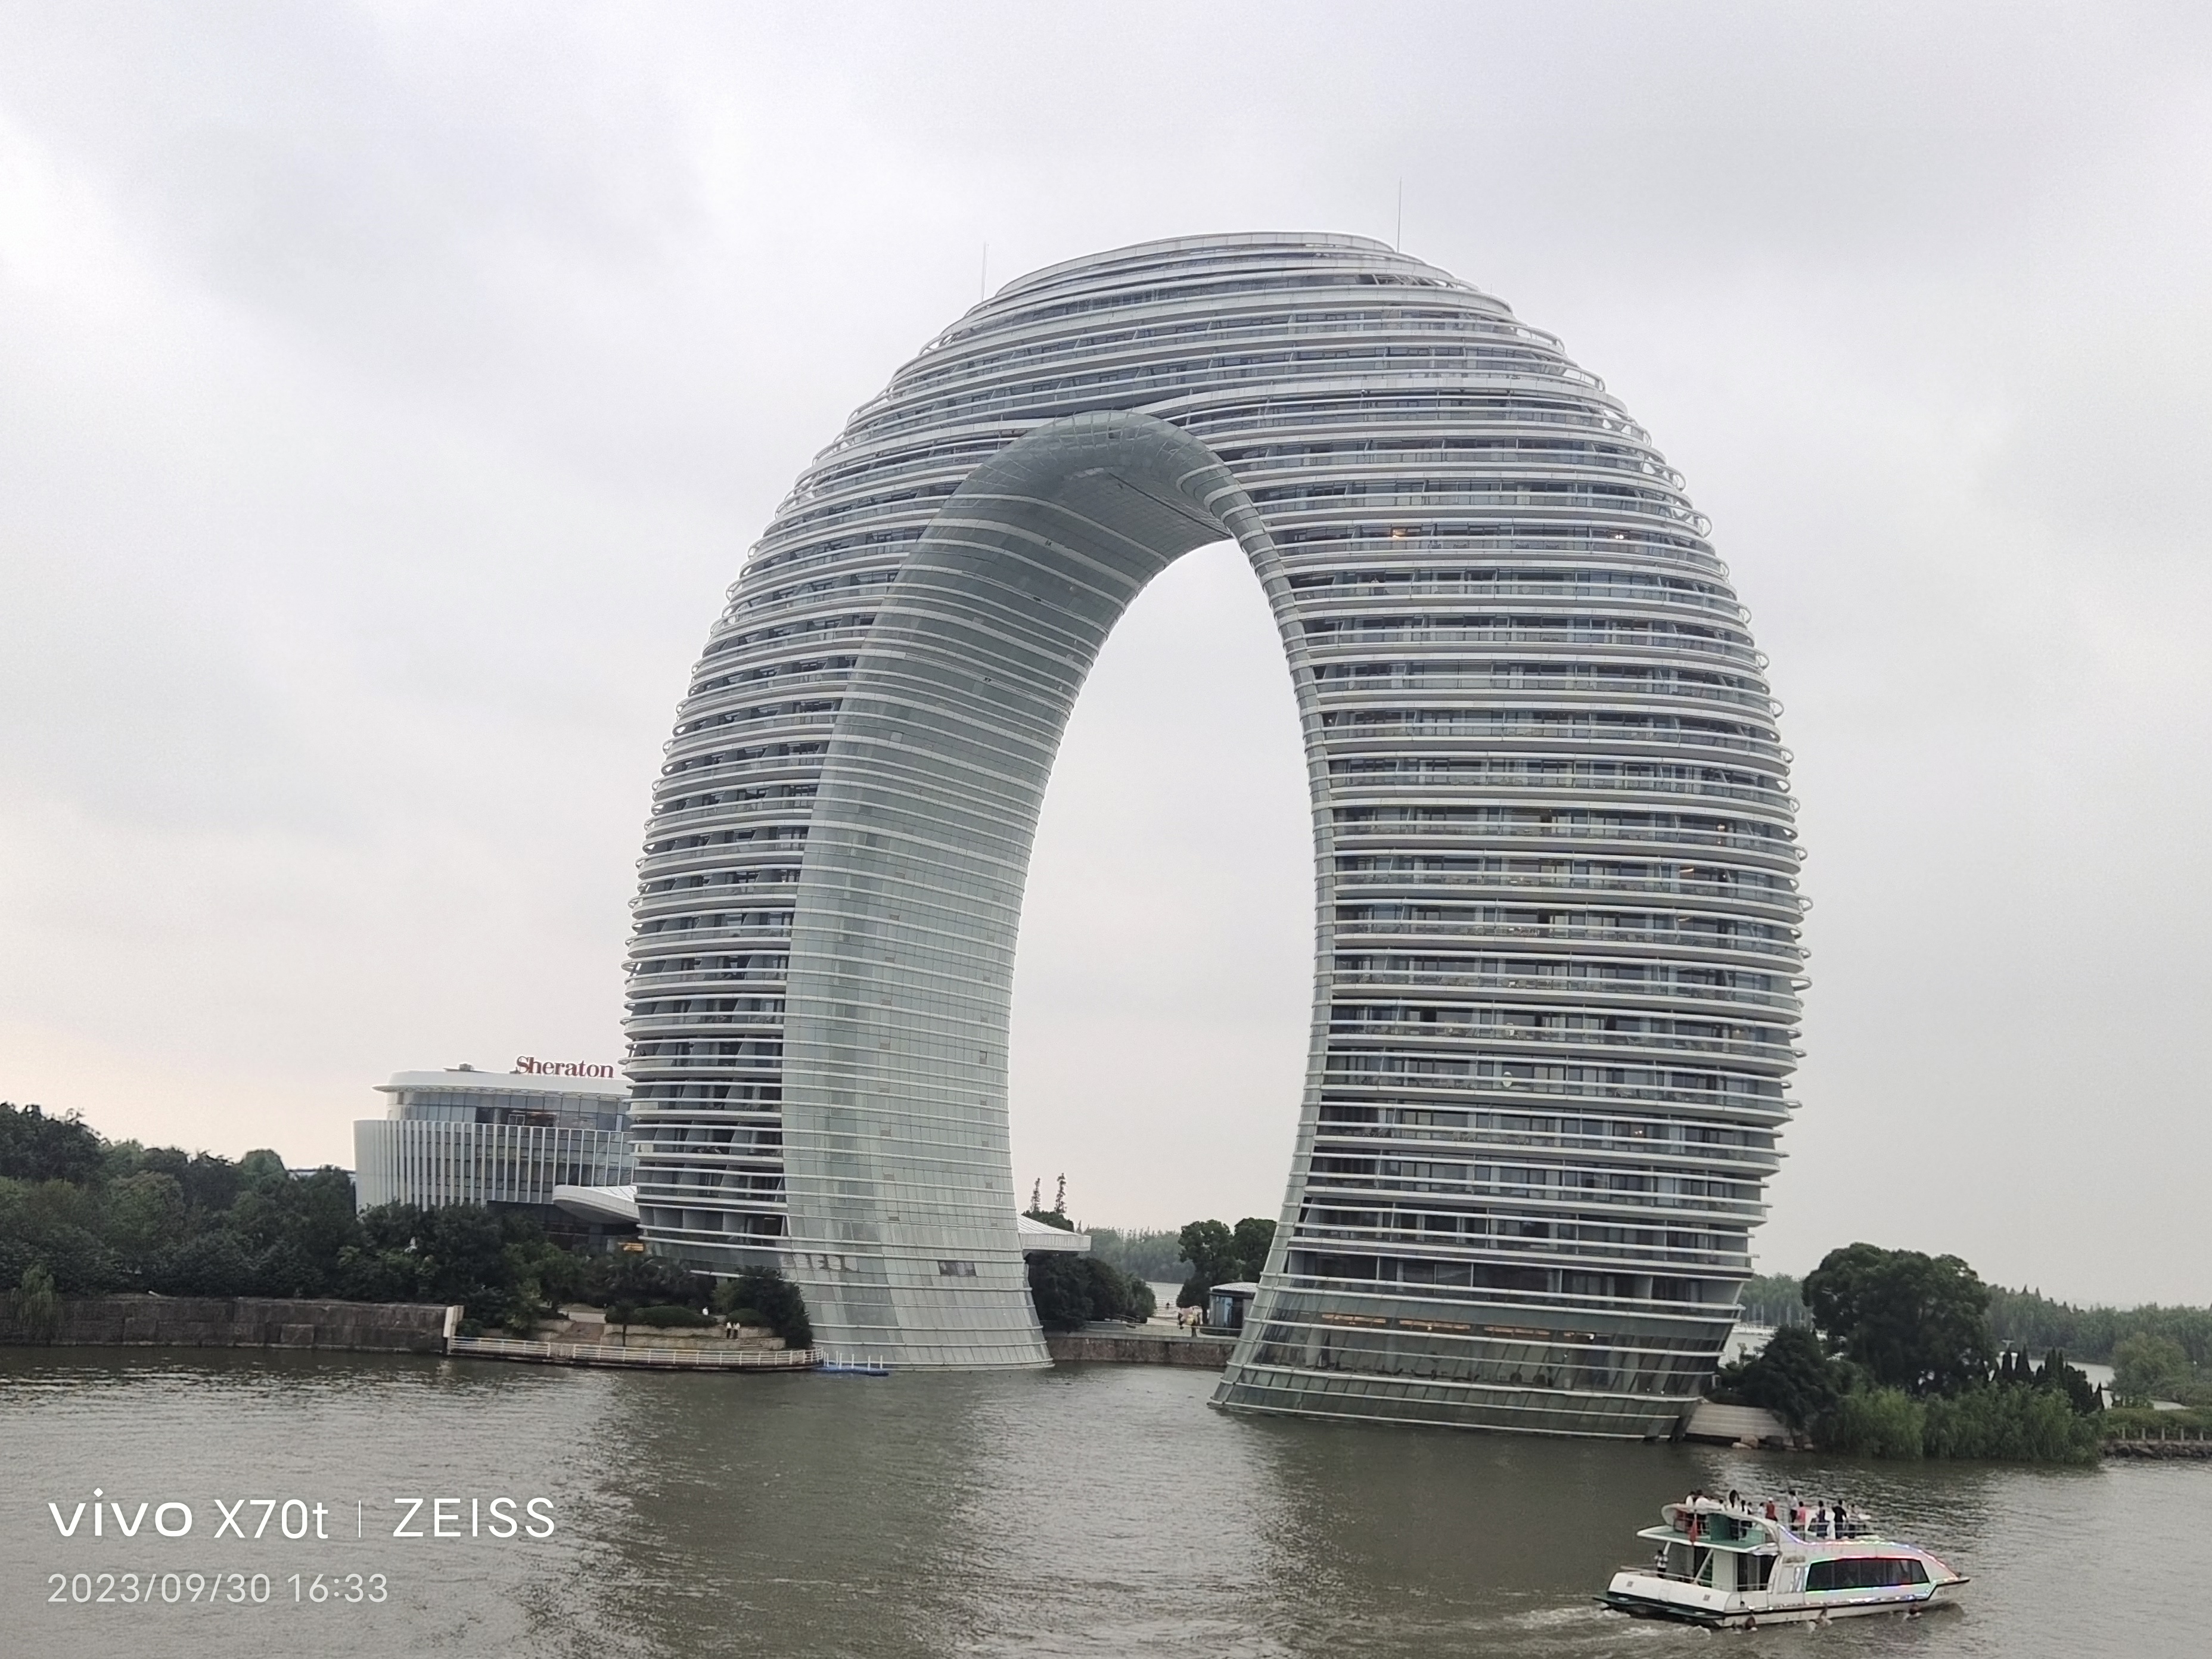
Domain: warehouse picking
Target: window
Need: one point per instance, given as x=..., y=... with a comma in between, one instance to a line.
x=956, y=1269
x=1865, y=1573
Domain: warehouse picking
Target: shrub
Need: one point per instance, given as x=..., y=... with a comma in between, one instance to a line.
x=1069, y=1292
x=2015, y=1423
x=37, y=1306
x=637, y=1278
x=2129, y=1421
x=1790, y=1377
x=775, y=1300
x=669, y=1316
x=1875, y=1422
x=213, y=1264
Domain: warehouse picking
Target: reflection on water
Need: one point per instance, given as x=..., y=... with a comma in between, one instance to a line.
x=1096, y=1510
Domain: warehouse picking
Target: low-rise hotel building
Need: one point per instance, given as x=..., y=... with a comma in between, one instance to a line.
x=499, y=1138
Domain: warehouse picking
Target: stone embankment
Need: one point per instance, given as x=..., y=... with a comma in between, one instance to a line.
x=219, y=1322
x=643, y=1356
x=2180, y=1442
x=1138, y=1345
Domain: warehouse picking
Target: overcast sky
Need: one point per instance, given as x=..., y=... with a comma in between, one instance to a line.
x=388, y=394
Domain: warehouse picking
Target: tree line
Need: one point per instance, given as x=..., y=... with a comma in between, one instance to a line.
x=2156, y=1352
x=1152, y=1254
x=1897, y=1359
x=2025, y=1318
x=83, y=1216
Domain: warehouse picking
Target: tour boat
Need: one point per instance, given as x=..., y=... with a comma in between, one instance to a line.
x=1740, y=1565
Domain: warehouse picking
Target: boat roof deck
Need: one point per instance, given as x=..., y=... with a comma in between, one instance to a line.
x=1750, y=1531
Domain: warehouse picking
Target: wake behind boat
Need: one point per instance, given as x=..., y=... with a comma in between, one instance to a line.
x=1735, y=1564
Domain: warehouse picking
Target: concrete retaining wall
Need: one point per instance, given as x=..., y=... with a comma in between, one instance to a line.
x=1732, y=1425
x=693, y=1356
x=1132, y=1346
x=213, y=1322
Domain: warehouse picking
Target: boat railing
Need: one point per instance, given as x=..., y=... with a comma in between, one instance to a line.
x=1832, y=1532
x=1829, y=1530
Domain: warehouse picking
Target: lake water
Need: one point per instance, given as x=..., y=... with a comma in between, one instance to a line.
x=1090, y=1511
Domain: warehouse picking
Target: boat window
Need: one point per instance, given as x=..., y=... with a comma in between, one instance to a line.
x=1865, y=1573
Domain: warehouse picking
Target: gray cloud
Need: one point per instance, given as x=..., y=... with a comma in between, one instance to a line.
x=388, y=394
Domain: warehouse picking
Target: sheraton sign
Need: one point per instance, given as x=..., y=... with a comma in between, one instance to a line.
x=530, y=1065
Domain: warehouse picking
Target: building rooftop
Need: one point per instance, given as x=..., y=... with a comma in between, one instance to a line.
x=1043, y=1236
x=533, y=1083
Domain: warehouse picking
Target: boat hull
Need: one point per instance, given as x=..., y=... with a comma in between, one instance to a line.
x=1717, y=1611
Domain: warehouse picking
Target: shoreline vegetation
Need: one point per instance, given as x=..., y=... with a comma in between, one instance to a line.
x=83, y=1216
x=1896, y=1354
x=1885, y=1353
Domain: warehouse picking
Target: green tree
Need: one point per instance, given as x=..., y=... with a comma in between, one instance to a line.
x=1251, y=1240
x=37, y=1305
x=2147, y=1368
x=1912, y=1321
x=296, y=1228
x=2055, y=1375
x=58, y=1223
x=774, y=1301
x=261, y=1169
x=1060, y=1289
x=1791, y=1376
x=145, y=1218
x=1210, y=1247
x=1070, y=1291
x=1220, y=1254
x=211, y=1263
x=461, y=1257
x=36, y=1147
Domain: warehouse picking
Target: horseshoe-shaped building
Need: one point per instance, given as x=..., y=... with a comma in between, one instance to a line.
x=1557, y=957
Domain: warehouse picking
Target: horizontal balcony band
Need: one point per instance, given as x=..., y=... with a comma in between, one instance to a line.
x=1592, y=995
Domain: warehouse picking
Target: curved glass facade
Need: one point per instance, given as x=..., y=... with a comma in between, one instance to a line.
x=1558, y=958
